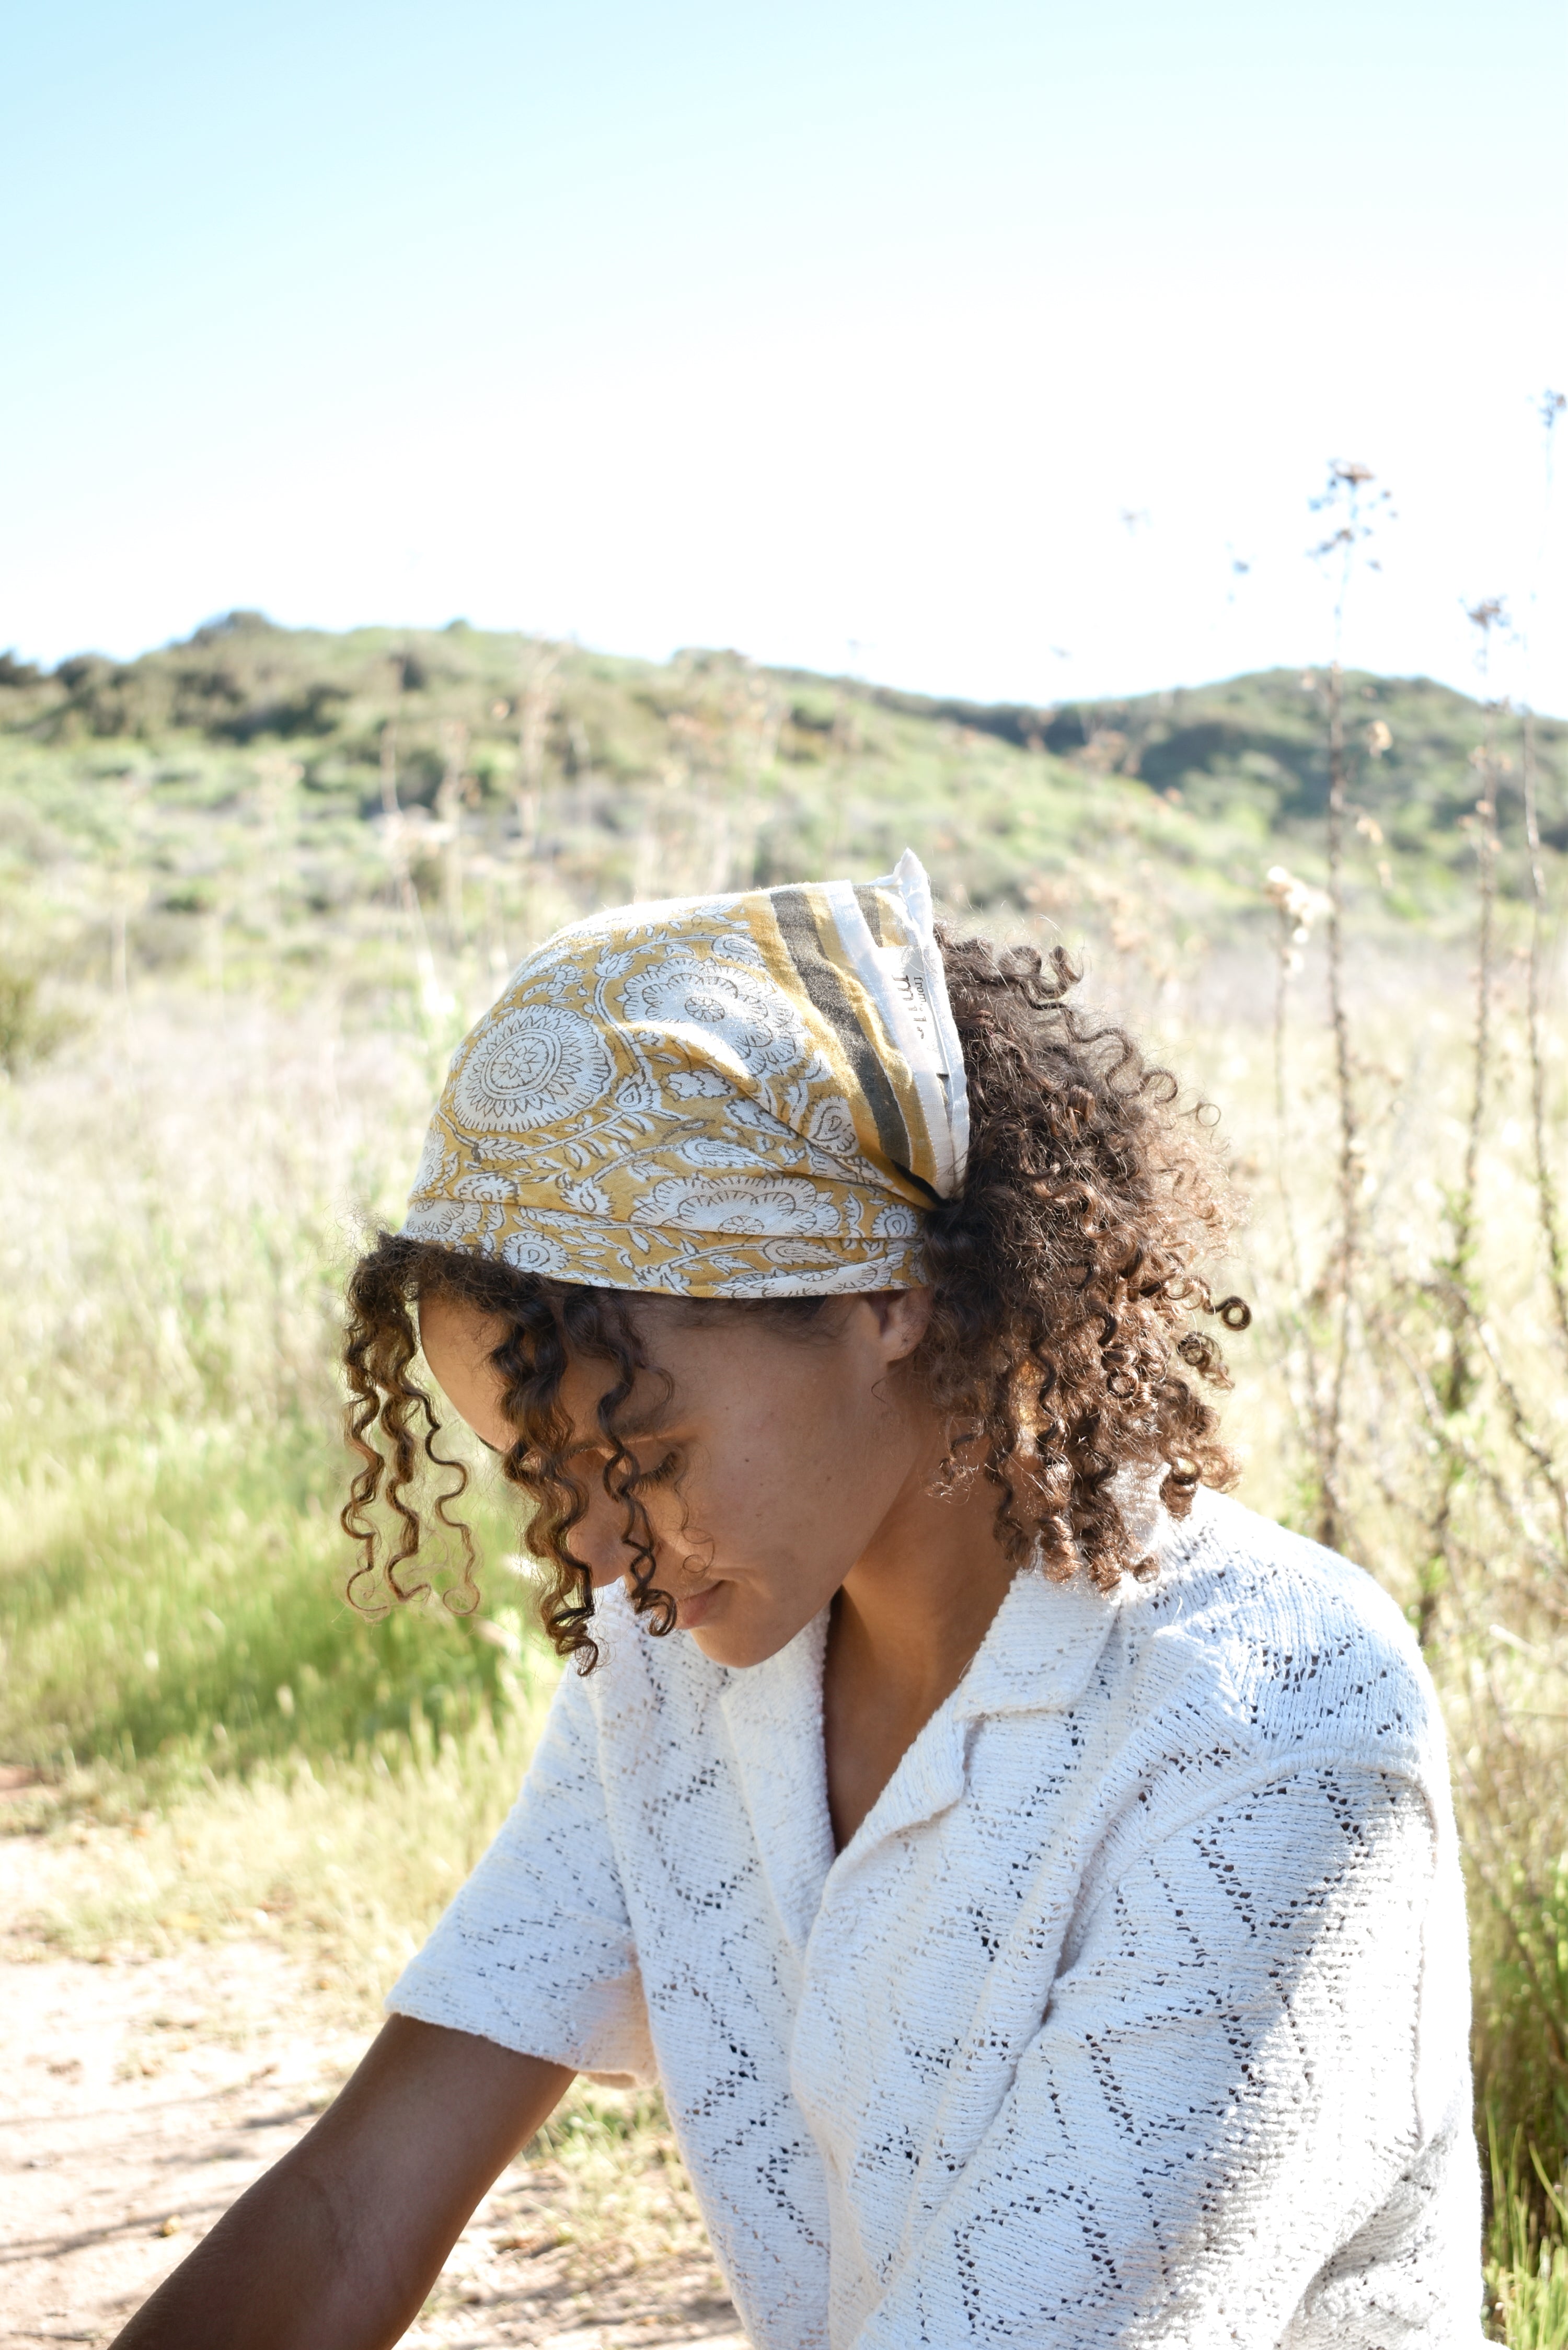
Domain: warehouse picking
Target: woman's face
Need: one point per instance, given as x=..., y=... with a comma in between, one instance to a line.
x=777, y=1460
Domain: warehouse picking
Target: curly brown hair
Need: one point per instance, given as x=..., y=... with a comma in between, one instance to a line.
x=1065, y=1282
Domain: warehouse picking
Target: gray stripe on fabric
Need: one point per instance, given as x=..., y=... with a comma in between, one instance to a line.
x=869, y=900
x=824, y=990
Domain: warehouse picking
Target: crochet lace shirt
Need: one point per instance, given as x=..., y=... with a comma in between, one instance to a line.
x=1135, y=2012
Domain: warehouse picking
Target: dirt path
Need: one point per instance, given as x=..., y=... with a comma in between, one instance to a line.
x=140, y=2097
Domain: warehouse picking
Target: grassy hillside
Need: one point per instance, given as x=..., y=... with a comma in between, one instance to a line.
x=1251, y=751
x=257, y=782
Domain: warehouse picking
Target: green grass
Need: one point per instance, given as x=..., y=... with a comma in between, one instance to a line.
x=1530, y=2296
x=176, y=1605
x=1527, y=2266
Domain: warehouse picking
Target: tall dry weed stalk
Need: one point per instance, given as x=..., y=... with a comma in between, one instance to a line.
x=1548, y=1202
x=1297, y=906
x=1487, y=618
x=1425, y=1339
x=1352, y=507
x=1455, y=1286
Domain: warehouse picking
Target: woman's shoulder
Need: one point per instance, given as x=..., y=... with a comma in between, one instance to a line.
x=1285, y=1640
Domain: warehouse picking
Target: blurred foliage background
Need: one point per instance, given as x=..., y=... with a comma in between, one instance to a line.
x=254, y=886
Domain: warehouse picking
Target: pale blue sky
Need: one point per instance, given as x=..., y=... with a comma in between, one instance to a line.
x=846, y=335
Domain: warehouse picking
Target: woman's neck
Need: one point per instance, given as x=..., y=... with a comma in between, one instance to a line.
x=910, y=1615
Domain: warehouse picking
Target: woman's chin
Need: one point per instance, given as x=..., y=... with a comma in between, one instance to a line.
x=726, y=1637
x=721, y=1645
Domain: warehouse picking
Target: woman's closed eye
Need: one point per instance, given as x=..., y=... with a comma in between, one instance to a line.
x=640, y=1479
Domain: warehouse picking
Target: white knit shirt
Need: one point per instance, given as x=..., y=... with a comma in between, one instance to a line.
x=1135, y=2012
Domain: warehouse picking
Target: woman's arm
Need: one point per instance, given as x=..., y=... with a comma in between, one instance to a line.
x=337, y=2245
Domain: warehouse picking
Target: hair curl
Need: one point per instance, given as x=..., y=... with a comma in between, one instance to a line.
x=1065, y=1282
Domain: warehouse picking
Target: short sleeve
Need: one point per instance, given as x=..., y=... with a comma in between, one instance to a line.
x=1218, y=2135
x=536, y=1951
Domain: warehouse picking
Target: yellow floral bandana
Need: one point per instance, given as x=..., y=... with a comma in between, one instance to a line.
x=742, y=1097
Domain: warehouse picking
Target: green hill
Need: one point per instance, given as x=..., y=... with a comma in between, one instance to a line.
x=241, y=781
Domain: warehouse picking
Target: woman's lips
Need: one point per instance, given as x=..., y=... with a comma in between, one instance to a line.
x=697, y=1607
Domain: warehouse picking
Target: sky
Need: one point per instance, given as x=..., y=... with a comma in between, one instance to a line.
x=994, y=350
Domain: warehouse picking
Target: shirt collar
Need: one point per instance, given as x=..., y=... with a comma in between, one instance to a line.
x=774, y=1711
x=1039, y=1650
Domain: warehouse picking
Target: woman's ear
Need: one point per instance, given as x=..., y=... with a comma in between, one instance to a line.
x=903, y=1317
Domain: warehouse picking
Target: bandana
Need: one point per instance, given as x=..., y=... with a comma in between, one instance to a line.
x=754, y=1095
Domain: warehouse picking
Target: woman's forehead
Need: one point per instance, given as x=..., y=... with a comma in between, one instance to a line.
x=692, y=1356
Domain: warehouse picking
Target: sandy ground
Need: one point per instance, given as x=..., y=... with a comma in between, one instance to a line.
x=140, y=2097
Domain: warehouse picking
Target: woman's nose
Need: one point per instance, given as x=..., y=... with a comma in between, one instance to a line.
x=599, y=1540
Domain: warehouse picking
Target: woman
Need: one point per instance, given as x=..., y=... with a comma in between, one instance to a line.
x=1029, y=1876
